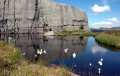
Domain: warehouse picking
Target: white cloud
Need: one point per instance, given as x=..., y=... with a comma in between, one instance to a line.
x=99, y=9
x=102, y=23
x=96, y=49
x=113, y=19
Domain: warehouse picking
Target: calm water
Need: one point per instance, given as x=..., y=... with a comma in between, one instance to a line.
x=86, y=49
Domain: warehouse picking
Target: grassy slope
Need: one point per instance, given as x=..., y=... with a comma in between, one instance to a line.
x=13, y=64
x=111, y=38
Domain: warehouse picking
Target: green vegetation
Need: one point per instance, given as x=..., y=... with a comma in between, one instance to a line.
x=82, y=27
x=111, y=38
x=113, y=32
x=77, y=32
x=13, y=64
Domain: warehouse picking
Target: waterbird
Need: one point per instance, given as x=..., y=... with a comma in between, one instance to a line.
x=74, y=55
x=66, y=50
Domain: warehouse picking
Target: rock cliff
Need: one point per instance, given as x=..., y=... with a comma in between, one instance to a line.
x=31, y=15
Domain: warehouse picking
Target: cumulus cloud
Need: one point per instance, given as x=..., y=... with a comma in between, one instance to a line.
x=99, y=9
x=113, y=19
x=96, y=49
x=102, y=23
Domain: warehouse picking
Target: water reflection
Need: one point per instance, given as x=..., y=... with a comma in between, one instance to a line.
x=108, y=47
x=96, y=49
x=54, y=46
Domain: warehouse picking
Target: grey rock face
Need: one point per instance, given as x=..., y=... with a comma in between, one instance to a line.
x=33, y=13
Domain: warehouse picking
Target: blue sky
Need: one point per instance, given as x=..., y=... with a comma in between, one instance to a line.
x=101, y=13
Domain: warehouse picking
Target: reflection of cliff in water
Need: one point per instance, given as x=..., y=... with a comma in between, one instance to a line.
x=54, y=46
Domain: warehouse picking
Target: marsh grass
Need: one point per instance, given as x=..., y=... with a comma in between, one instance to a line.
x=65, y=32
x=113, y=32
x=77, y=32
x=13, y=64
x=108, y=39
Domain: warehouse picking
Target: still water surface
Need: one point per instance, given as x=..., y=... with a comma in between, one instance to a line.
x=87, y=51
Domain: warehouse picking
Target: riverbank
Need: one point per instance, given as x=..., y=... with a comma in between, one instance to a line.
x=110, y=38
x=12, y=63
x=76, y=32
